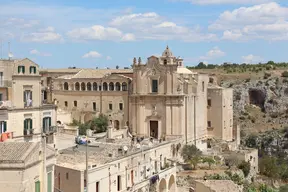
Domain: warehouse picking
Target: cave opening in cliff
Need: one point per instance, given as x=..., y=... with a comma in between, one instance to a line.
x=257, y=97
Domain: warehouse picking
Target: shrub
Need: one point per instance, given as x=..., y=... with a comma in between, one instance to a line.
x=245, y=167
x=285, y=74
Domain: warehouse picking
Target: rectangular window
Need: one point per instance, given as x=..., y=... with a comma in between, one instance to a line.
x=49, y=182
x=154, y=86
x=121, y=106
x=94, y=106
x=27, y=98
x=1, y=97
x=209, y=123
x=21, y=69
x=209, y=102
x=203, y=86
x=66, y=104
x=3, y=127
x=1, y=79
x=75, y=103
x=67, y=176
x=37, y=186
x=110, y=106
x=118, y=183
x=97, y=186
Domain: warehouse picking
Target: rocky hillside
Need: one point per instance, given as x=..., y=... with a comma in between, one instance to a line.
x=260, y=104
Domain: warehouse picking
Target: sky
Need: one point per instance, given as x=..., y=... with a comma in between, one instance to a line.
x=98, y=33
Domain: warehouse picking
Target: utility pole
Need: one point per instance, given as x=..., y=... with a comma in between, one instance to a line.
x=87, y=175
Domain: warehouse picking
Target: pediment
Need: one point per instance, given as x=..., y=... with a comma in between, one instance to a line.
x=26, y=62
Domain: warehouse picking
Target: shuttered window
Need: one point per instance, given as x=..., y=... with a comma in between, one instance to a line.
x=37, y=186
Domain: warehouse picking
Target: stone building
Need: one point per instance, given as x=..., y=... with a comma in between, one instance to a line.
x=159, y=98
x=143, y=166
x=168, y=101
x=23, y=167
x=23, y=114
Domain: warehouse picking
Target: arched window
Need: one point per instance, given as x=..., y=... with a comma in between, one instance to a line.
x=94, y=86
x=117, y=86
x=111, y=86
x=83, y=87
x=66, y=86
x=105, y=86
x=77, y=86
x=88, y=86
x=124, y=86
x=165, y=61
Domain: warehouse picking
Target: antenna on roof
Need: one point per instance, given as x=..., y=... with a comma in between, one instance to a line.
x=10, y=55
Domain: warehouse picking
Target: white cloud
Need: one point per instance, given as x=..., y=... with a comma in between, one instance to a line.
x=152, y=26
x=128, y=37
x=208, y=2
x=136, y=19
x=21, y=23
x=265, y=21
x=92, y=54
x=231, y=35
x=36, y=52
x=42, y=37
x=108, y=58
x=215, y=52
x=250, y=59
x=98, y=32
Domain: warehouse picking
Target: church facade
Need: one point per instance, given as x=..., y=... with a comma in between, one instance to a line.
x=170, y=101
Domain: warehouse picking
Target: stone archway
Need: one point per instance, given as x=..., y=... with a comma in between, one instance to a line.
x=172, y=184
x=162, y=185
x=87, y=117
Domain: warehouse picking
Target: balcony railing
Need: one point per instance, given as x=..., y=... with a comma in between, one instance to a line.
x=5, y=83
x=28, y=104
x=5, y=104
x=49, y=130
x=28, y=132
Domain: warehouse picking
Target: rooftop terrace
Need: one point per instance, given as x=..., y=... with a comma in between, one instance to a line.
x=102, y=151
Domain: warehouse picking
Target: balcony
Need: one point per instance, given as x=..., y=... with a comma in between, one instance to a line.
x=28, y=104
x=5, y=83
x=28, y=132
x=50, y=130
x=5, y=104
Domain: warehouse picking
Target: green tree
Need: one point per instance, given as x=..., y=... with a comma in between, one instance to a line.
x=268, y=166
x=251, y=141
x=99, y=124
x=285, y=74
x=190, y=151
x=208, y=160
x=245, y=167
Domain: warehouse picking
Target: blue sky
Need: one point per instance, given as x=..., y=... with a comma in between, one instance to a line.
x=99, y=33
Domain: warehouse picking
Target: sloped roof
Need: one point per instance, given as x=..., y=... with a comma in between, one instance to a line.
x=15, y=151
x=95, y=73
x=63, y=70
x=184, y=70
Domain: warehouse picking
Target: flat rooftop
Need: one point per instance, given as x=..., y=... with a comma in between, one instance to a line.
x=101, y=152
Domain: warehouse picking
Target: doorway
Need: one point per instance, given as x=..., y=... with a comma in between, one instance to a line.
x=154, y=129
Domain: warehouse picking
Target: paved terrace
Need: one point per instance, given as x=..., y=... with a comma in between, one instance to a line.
x=101, y=152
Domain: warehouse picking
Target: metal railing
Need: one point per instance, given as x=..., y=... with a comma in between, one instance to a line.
x=51, y=129
x=28, y=132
